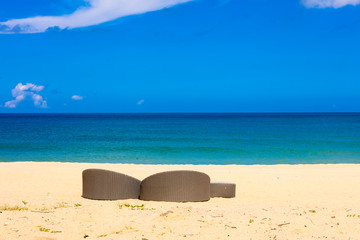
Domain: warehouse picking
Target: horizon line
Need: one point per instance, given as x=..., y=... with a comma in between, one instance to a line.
x=177, y=112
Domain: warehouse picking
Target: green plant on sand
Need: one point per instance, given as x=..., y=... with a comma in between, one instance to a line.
x=7, y=207
x=134, y=207
x=44, y=229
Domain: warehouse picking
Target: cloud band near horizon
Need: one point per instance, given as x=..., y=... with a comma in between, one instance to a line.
x=98, y=11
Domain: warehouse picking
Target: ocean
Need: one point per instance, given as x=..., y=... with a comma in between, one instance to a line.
x=292, y=138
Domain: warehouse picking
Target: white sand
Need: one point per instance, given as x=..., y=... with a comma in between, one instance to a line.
x=272, y=202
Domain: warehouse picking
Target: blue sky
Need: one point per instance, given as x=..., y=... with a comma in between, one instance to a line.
x=179, y=56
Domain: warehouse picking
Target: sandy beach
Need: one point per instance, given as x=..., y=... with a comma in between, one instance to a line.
x=43, y=201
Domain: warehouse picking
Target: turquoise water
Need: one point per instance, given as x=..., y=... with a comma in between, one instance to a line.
x=181, y=138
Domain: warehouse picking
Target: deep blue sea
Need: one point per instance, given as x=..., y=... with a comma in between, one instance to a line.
x=181, y=138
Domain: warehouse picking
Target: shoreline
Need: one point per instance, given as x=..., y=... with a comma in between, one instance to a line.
x=272, y=201
x=185, y=164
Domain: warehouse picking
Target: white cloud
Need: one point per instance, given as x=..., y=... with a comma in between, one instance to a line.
x=140, y=102
x=20, y=92
x=98, y=11
x=329, y=3
x=77, y=97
